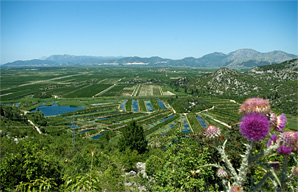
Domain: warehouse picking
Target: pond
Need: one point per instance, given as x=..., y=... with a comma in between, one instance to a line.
x=158, y=122
x=168, y=127
x=96, y=136
x=73, y=126
x=123, y=105
x=160, y=103
x=85, y=131
x=135, y=106
x=149, y=106
x=185, y=128
x=56, y=110
x=202, y=122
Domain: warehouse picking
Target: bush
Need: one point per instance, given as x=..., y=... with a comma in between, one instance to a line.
x=153, y=164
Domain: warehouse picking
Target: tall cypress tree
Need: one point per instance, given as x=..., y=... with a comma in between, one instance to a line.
x=133, y=138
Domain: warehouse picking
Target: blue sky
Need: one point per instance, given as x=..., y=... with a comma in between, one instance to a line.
x=169, y=29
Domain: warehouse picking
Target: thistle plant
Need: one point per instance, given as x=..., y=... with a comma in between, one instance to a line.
x=257, y=124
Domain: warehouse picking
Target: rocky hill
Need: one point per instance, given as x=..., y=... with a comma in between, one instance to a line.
x=288, y=66
x=280, y=88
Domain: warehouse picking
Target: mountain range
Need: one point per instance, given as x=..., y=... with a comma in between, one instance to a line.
x=238, y=58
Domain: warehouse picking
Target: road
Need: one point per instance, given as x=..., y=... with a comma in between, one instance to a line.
x=37, y=129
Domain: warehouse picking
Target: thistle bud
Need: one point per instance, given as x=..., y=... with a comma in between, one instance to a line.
x=212, y=131
x=235, y=189
x=255, y=105
x=290, y=139
x=221, y=173
x=295, y=171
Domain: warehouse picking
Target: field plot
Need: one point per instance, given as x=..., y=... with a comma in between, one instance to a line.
x=111, y=81
x=136, y=90
x=104, y=91
x=150, y=90
x=88, y=91
x=196, y=126
x=142, y=106
x=128, y=105
x=19, y=92
x=114, y=91
x=128, y=91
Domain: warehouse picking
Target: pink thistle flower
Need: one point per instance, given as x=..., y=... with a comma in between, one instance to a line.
x=273, y=119
x=280, y=122
x=272, y=138
x=289, y=138
x=212, y=131
x=254, y=126
x=284, y=150
x=255, y=105
x=221, y=173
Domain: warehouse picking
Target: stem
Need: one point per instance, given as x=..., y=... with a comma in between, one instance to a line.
x=224, y=182
x=221, y=150
x=91, y=167
x=244, y=165
x=266, y=152
x=256, y=188
x=284, y=172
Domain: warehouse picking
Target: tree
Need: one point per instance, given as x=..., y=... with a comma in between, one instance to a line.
x=133, y=138
x=30, y=164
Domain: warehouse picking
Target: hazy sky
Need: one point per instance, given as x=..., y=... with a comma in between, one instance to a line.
x=169, y=29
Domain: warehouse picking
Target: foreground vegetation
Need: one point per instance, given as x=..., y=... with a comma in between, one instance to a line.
x=129, y=116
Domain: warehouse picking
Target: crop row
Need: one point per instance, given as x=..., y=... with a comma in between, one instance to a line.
x=160, y=125
x=223, y=118
x=155, y=119
x=121, y=118
x=210, y=121
x=91, y=110
x=140, y=119
x=226, y=113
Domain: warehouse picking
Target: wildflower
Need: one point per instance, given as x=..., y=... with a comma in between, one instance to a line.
x=254, y=126
x=272, y=138
x=221, y=173
x=212, y=131
x=289, y=138
x=284, y=150
x=275, y=165
x=255, y=105
x=278, y=123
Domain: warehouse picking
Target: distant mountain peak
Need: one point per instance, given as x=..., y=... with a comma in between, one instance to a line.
x=238, y=58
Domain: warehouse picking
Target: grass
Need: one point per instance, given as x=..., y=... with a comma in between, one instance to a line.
x=292, y=122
